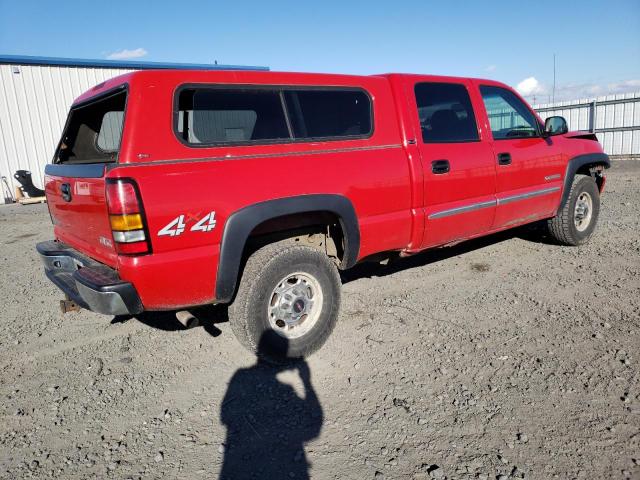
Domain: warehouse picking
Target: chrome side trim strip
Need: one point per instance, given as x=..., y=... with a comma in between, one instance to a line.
x=258, y=155
x=491, y=203
x=552, y=177
x=524, y=196
x=463, y=209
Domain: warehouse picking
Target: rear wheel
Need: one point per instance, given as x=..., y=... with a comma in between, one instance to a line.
x=575, y=222
x=287, y=302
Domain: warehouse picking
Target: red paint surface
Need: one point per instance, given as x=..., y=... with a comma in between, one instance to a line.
x=387, y=177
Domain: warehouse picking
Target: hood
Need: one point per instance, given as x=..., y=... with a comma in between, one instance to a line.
x=582, y=135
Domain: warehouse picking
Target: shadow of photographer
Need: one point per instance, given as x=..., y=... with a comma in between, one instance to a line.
x=267, y=423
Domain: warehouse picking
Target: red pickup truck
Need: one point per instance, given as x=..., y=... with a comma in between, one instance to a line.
x=177, y=188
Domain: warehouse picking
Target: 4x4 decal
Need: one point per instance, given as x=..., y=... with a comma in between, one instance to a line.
x=177, y=226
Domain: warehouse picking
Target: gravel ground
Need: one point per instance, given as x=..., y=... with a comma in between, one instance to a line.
x=507, y=357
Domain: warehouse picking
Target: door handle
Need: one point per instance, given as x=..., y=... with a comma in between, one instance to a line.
x=65, y=189
x=440, y=166
x=504, y=158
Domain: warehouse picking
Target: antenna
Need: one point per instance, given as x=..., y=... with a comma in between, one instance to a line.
x=553, y=94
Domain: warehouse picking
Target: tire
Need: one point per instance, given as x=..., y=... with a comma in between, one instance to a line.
x=572, y=225
x=280, y=279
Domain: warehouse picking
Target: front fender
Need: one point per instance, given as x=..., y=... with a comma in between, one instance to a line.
x=577, y=162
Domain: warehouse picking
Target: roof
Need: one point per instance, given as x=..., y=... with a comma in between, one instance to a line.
x=95, y=63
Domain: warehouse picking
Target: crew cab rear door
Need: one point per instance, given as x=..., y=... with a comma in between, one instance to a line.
x=459, y=174
x=74, y=182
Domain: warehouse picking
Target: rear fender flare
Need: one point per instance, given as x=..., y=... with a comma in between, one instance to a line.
x=574, y=165
x=239, y=225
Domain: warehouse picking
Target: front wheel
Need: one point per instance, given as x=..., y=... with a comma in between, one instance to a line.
x=575, y=222
x=287, y=302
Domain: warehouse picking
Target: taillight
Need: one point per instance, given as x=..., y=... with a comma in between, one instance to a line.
x=127, y=217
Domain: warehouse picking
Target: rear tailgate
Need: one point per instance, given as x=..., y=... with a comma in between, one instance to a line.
x=75, y=182
x=78, y=207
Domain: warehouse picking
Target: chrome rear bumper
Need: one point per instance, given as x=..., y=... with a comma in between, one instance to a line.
x=88, y=283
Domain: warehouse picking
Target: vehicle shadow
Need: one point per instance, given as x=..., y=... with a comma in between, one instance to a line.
x=205, y=317
x=533, y=233
x=267, y=423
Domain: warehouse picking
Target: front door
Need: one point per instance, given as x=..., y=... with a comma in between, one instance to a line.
x=529, y=168
x=459, y=172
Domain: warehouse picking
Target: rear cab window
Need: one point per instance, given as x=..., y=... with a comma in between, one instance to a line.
x=446, y=113
x=93, y=130
x=209, y=115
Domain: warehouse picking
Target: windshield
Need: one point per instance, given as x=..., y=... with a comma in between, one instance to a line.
x=93, y=131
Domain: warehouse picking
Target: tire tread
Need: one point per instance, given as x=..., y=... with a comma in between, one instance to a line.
x=561, y=227
x=256, y=266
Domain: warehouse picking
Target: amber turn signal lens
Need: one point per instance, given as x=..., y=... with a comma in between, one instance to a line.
x=125, y=223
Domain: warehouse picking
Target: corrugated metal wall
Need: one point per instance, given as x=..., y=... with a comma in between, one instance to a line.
x=615, y=119
x=34, y=101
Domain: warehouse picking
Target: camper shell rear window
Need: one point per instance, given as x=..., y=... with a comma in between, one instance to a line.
x=94, y=130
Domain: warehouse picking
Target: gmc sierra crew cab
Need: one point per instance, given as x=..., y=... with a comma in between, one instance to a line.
x=176, y=188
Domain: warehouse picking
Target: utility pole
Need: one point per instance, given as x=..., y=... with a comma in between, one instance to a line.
x=553, y=94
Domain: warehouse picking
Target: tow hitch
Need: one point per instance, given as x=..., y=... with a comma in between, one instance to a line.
x=67, y=305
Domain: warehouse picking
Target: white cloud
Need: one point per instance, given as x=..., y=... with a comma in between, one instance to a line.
x=126, y=54
x=576, y=91
x=530, y=86
x=490, y=68
x=624, y=87
x=540, y=93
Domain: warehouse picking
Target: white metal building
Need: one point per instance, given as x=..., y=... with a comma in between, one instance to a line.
x=35, y=96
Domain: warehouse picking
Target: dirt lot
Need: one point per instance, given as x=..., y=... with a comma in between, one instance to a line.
x=508, y=357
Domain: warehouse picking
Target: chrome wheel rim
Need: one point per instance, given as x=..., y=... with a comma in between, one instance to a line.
x=583, y=211
x=295, y=305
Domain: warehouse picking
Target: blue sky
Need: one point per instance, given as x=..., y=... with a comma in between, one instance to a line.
x=597, y=44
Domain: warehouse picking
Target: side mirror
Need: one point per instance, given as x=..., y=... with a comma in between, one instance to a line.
x=555, y=126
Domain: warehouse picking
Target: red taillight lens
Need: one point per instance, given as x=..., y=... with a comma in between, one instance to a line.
x=137, y=248
x=126, y=216
x=122, y=198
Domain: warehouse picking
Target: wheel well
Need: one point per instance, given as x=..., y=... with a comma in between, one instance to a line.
x=594, y=170
x=318, y=229
x=304, y=217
